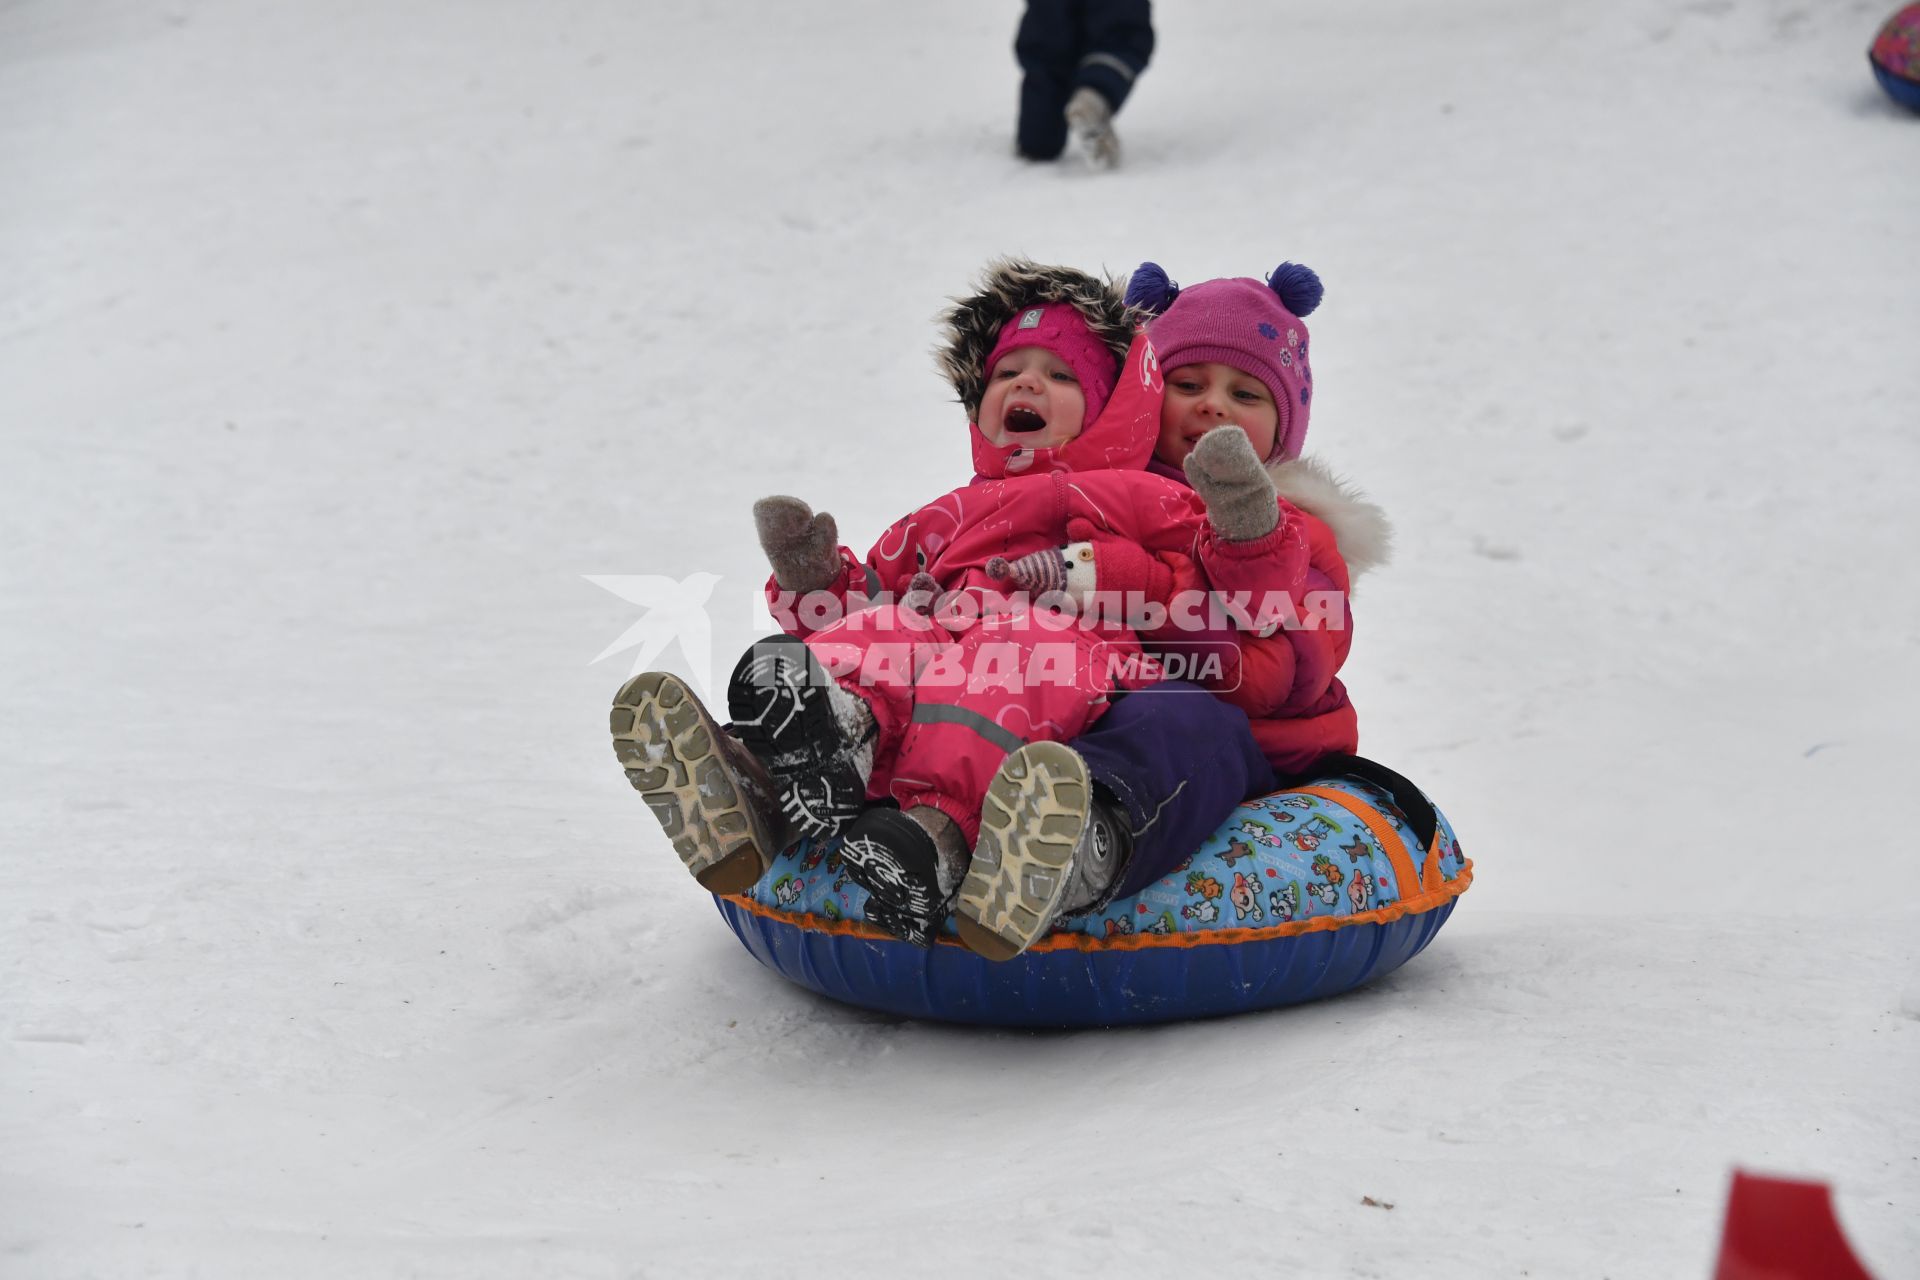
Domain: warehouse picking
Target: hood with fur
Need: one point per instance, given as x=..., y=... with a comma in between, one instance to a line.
x=1359, y=526
x=972, y=326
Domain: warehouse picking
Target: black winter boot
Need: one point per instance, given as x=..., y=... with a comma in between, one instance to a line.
x=921, y=931
x=908, y=875
x=815, y=738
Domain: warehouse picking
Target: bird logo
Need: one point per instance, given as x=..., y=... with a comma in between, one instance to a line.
x=676, y=609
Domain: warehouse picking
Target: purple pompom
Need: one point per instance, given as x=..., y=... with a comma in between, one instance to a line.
x=1150, y=289
x=1299, y=288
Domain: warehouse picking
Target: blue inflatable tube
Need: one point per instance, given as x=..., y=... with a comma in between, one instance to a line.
x=1901, y=90
x=1081, y=988
x=1300, y=895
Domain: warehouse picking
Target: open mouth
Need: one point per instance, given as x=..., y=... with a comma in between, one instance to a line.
x=1022, y=419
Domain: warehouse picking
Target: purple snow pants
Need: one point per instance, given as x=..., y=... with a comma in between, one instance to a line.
x=1178, y=760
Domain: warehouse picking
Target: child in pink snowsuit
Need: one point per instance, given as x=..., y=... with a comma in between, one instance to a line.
x=928, y=702
x=1234, y=422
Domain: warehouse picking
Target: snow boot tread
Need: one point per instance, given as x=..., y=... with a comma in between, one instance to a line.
x=779, y=698
x=1035, y=810
x=896, y=861
x=699, y=787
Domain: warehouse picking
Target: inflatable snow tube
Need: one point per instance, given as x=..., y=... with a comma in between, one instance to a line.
x=1895, y=56
x=1301, y=894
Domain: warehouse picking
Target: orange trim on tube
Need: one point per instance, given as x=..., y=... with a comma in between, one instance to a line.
x=1075, y=941
x=1411, y=887
x=1431, y=878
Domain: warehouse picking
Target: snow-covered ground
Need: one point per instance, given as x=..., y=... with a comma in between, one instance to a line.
x=338, y=342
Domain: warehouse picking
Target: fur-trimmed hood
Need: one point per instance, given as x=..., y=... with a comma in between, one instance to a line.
x=1008, y=287
x=1122, y=437
x=1359, y=526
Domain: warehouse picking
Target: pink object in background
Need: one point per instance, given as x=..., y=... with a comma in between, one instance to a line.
x=1895, y=55
x=1897, y=47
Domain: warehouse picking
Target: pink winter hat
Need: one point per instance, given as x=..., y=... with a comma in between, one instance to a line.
x=1254, y=326
x=1060, y=328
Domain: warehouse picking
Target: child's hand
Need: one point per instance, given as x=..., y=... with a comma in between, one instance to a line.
x=1232, y=481
x=803, y=548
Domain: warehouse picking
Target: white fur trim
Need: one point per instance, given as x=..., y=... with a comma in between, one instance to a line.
x=1359, y=526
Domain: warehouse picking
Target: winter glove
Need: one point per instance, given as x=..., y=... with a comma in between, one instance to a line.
x=1231, y=480
x=803, y=548
x=1068, y=569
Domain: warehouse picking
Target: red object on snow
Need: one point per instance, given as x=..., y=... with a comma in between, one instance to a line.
x=1778, y=1229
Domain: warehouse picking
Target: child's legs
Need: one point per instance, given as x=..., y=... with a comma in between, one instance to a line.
x=1048, y=47
x=999, y=687
x=876, y=654
x=1178, y=760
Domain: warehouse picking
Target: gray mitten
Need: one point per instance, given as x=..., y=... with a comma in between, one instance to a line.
x=1232, y=481
x=803, y=548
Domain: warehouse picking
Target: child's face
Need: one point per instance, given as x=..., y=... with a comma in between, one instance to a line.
x=1032, y=399
x=1201, y=397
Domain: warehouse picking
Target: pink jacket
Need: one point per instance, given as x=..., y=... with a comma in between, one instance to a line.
x=1286, y=680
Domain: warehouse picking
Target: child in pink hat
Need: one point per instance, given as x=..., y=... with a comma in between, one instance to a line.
x=1279, y=527
x=1234, y=353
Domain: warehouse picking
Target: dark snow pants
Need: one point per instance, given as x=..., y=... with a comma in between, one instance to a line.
x=1063, y=44
x=1178, y=760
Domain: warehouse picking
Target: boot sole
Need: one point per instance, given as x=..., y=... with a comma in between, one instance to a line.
x=895, y=861
x=670, y=749
x=1034, y=811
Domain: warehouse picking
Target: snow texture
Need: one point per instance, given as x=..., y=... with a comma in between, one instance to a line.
x=339, y=342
